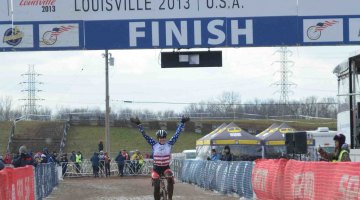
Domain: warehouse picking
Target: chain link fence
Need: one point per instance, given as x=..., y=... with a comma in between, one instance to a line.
x=224, y=177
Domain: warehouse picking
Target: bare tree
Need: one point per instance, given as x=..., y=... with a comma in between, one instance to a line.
x=5, y=107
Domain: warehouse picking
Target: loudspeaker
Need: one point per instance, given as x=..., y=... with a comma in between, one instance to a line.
x=289, y=143
x=300, y=142
x=296, y=142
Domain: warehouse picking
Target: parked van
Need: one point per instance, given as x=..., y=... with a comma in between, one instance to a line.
x=324, y=138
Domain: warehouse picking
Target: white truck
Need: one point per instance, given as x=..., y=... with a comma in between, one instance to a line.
x=324, y=138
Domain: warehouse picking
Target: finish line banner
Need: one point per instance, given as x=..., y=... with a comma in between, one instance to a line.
x=42, y=25
x=290, y=179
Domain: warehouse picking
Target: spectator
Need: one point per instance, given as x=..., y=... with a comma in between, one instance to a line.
x=54, y=158
x=73, y=157
x=214, y=156
x=126, y=155
x=137, y=161
x=23, y=159
x=49, y=158
x=44, y=158
x=37, y=158
x=107, y=164
x=102, y=162
x=120, y=160
x=64, y=162
x=7, y=159
x=341, y=153
x=101, y=145
x=95, y=164
x=2, y=163
x=78, y=160
x=227, y=155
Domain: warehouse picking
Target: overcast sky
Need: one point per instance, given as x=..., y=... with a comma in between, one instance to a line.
x=77, y=78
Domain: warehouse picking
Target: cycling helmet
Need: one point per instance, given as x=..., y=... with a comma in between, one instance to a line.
x=161, y=133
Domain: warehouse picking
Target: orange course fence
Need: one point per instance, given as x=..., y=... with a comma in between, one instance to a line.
x=17, y=183
x=291, y=179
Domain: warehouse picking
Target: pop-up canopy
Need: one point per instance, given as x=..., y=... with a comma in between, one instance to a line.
x=206, y=139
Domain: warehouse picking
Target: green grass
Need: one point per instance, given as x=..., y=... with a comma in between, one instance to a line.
x=4, y=136
x=298, y=124
x=86, y=139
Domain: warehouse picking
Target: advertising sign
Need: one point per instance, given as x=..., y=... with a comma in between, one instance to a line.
x=148, y=24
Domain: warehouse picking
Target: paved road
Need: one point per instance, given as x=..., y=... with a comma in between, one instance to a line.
x=126, y=188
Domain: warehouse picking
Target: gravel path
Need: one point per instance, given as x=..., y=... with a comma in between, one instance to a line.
x=125, y=188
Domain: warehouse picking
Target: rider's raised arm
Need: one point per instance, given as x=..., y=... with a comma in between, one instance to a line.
x=151, y=141
x=177, y=134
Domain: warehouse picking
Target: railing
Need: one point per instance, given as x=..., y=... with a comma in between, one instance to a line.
x=225, y=177
x=131, y=168
x=63, y=139
x=46, y=178
x=11, y=135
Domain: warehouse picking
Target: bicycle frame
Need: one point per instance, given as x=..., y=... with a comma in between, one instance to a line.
x=163, y=188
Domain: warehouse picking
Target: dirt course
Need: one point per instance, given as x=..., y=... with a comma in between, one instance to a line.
x=125, y=188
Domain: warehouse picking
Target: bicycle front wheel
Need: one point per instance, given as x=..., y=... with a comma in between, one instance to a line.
x=164, y=194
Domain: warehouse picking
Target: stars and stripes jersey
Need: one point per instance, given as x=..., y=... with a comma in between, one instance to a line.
x=162, y=152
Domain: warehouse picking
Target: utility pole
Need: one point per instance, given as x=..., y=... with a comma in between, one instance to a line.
x=108, y=60
x=30, y=107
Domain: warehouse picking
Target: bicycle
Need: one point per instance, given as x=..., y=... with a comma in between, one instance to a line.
x=163, y=188
x=162, y=185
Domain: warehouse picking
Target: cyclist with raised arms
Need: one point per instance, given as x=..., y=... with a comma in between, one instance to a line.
x=162, y=155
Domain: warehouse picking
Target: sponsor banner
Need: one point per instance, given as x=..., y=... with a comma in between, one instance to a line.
x=291, y=179
x=59, y=35
x=328, y=7
x=18, y=183
x=321, y=180
x=267, y=178
x=17, y=36
x=53, y=10
x=4, y=186
x=323, y=30
x=354, y=29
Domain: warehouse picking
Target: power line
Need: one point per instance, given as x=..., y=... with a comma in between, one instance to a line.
x=219, y=104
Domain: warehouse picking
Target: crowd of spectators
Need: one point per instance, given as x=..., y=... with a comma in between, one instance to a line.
x=100, y=160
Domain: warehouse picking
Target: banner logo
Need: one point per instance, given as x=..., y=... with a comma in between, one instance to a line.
x=314, y=32
x=50, y=37
x=13, y=36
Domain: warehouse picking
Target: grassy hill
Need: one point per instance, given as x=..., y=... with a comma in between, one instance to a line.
x=86, y=139
x=4, y=136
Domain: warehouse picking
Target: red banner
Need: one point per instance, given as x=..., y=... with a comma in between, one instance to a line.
x=306, y=180
x=17, y=183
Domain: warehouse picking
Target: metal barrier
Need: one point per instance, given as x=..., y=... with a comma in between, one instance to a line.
x=46, y=178
x=131, y=168
x=222, y=176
